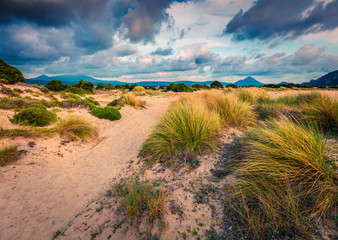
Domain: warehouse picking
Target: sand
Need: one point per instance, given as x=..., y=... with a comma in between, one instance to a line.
x=43, y=191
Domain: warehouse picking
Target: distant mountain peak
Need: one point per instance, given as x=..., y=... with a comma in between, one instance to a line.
x=330, y=79
x=248, y=81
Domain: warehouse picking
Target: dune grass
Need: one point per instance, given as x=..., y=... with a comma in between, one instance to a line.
x=233, y=113
x=286, y=183
x=132, y=100
x=26, y=132
x=8, y=154
x=250, y=95
x=140, y=199
x=34, y=116
x=324, y=112
x=188, y=127
x=76, y=128
x=139, y=89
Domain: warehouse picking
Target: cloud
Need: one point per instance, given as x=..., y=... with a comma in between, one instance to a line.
x=163, y=51
x=125, y=50
x=270, y=19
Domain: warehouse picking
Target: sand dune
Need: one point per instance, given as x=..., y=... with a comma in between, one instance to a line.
x=48, y=186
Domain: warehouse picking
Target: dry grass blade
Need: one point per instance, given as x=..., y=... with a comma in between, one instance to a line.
x=8, y=154
x=75, y=128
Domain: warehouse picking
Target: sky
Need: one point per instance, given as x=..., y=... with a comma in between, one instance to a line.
x=168, y=40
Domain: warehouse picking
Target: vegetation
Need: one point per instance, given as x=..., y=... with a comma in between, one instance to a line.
x=188, y=128
x=108, y=112
x=56, y=86
x=233, y=112
x=8, y=154
x=179, y=87
x=286, y=183
x=76, y=128
x=34, y=116
x=250, y=95
x=11, y=74
x=216, y=84
x=140, y=199
x=132, y=100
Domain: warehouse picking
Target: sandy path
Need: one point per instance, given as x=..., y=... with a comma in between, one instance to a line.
x=36, y=200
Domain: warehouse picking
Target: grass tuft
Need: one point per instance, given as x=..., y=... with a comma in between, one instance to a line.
x=286, y=183
x=8, y=154
x=34, y=116
x=75, y=128
x=132, y=100
x=187, y=127
x=140, y=199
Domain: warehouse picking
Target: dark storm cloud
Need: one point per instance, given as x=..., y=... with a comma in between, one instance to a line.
x=268, y=19
x=91, y=25
x=163, y=51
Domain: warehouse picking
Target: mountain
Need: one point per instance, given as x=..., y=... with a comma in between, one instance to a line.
x=330, y=79
x=249, y=81
x=71, y=79
x=283, y=83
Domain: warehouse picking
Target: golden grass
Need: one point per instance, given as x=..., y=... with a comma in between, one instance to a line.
x=233, y=113
x=188, y=127
x=139, y=89
x=286, y=183
x=132, y=100
x=75, y=128
x=8, y=154
x=250, y=95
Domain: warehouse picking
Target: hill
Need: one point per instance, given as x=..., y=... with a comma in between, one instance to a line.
x=71, y=79
x=249, y=81
x=10, y=73
x=330, y=79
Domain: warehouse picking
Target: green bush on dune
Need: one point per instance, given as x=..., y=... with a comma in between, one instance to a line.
x=34, y=116
x=108, y=112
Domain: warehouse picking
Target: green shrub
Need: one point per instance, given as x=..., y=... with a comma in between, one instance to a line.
x=19, y=103
x=216, y=84
x=56, y=86
x=180, y=87
x=285, y=183
x=108, y=112
x=10, y=73
x=115, y=102
x=187, y=128
x=140, y=199
x=8, y=154
x=87, y=86
x=34, y=116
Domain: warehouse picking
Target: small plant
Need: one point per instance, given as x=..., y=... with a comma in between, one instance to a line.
x=8, y=154
x=138, y=89
x=115, y=103
x=140, y=198
x=108, y=112
x=34, y=116
x=75, y=128
x=187, y=127
x=132, y=100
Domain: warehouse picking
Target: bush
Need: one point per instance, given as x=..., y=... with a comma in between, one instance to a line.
x=34, y=116
x=75, y=128
x=56, y=86
x=8, y=154
x=10, y=73
x=286, y=183
x=140, y=199
x=216, y=84
x=180, y=87
x=100, y=86
x=187, y=128
x=108, y=112
x=87, y=86
x=90, y=102
x=115, y=103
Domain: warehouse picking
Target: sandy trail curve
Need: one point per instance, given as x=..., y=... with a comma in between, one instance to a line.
x=36, y=200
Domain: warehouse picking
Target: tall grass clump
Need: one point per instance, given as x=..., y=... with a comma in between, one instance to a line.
x=250, y=95
x=188, y=127
x=233, y=112
x=324, y=112
x=8, y=154
x=76, y=128
x=286, y=183
x=138, y=89
x=140, y=198
x=298, y=100
x=132, y=100
x=34, y=116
